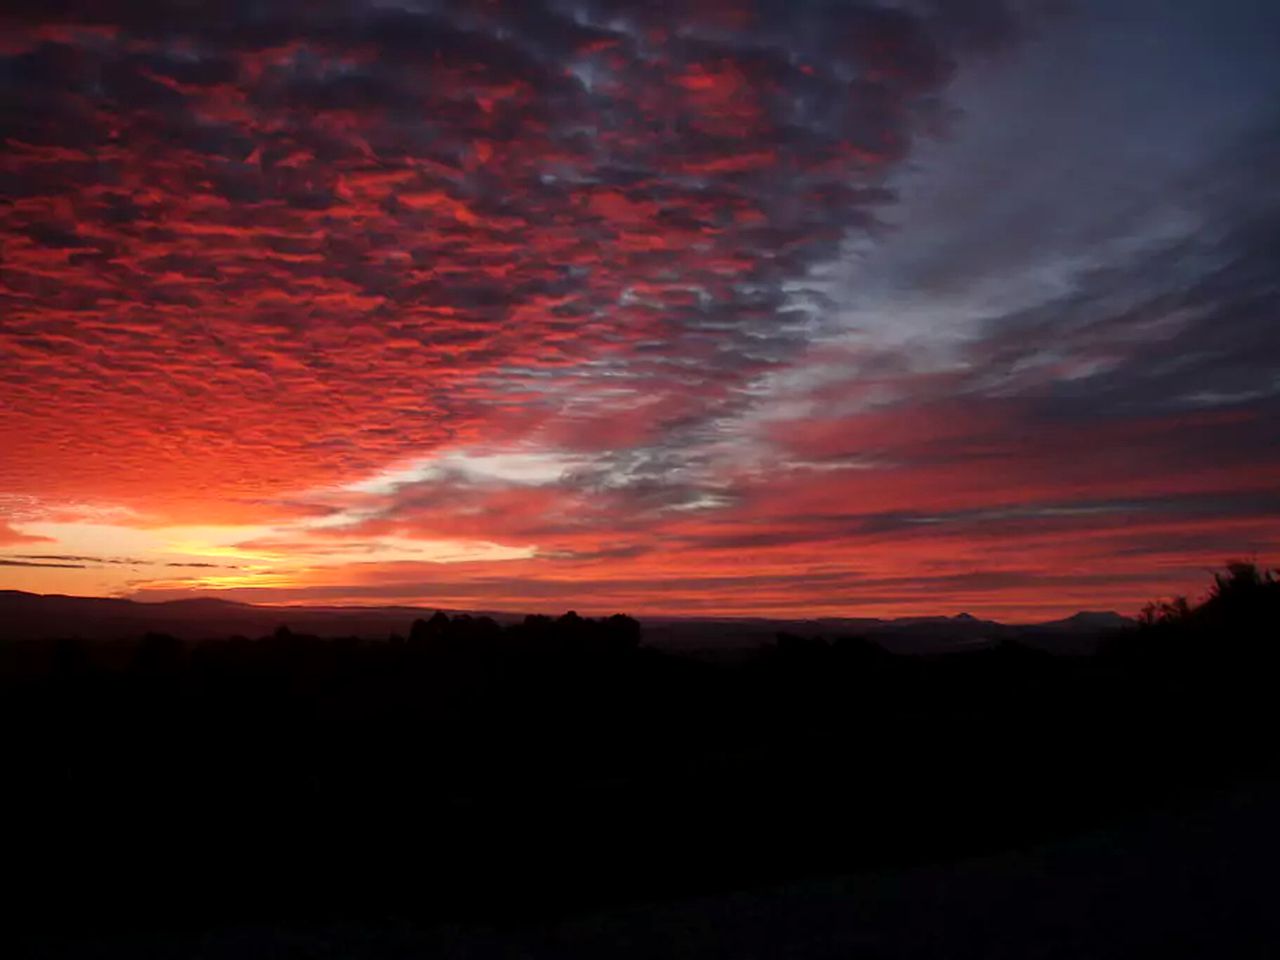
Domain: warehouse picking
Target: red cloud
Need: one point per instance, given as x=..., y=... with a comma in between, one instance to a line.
x=11, y=537
x=251, y=261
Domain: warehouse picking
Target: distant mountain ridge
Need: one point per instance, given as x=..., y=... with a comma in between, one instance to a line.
x=34, y=616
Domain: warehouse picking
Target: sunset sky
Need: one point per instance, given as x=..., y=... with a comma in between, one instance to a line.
x=779, y=307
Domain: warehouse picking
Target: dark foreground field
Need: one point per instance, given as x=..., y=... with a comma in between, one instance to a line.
x=295, y=796
x=1191, y=881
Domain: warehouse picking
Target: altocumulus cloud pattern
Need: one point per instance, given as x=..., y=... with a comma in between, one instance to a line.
x=749, y=307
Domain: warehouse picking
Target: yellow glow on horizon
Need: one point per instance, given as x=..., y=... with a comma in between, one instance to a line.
x=116, y=558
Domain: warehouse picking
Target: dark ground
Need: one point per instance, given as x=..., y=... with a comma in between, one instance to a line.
x=555, y=788
x=1196, y=880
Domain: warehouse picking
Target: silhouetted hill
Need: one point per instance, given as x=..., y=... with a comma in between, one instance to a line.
x=1088, y=620
x=33, y=616
x=1079, y=634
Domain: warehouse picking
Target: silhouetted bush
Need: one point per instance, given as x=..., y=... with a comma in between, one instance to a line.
x=1237, y=626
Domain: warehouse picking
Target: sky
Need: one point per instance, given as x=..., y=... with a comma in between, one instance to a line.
x=716, y=307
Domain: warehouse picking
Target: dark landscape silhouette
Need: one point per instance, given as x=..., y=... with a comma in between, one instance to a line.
x=472, y=771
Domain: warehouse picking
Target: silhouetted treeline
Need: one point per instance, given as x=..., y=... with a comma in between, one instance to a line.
x=468, y=768
x=1238, y=623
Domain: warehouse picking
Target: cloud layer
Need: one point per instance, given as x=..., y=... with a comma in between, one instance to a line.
x=696, y=307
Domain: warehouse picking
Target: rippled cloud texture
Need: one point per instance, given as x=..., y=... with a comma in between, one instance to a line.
x=733, y=306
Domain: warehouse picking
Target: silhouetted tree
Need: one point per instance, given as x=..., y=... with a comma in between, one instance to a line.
x=157, y=655
x=424, y=632
x=1172, y=611
x=623, y=631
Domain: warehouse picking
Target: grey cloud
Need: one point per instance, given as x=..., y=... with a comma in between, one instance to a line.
x=30, y=563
